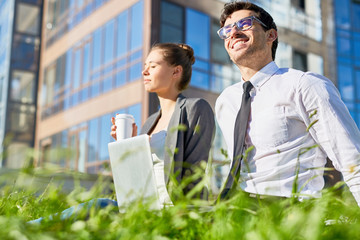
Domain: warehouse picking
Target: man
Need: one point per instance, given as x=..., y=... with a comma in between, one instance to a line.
x=294, y=120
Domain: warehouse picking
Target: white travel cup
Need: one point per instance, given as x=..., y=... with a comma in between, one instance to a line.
x=124, y=126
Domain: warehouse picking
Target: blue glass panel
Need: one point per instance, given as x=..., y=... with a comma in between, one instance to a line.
x=121, y=63
x=171, y=34
x=96, y=75
x=135, y=110
x=123, y=110
x=201, y=65
x=357, y=84
x=200, y=80
x=77, y=68
x=135, y=56
x=98, y=3
x=198, y=33
x=135, y=72
x=88, y=9
x=64, y=145
x=75, y=99
x=342, y=13
x=218, y=52
x=136, y=26
x=68, y=68
x=95, y=90
x=96, y=49
x=109, y=41
x=107, y=84
x=120, y=78
x=108, y=70
x=84, y=94
x=93, y=146
x=122, y=34
x=356, y=15
x=86, y=67
x=345, y=82
x=343, y=46
x=105, y=127
x=172, y=14
x=344, y=60
x=24, y=53
x=78, y=17
x=357, y=49
x=66, y=103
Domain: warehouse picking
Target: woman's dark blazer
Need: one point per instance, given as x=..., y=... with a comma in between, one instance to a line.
x=189, y=137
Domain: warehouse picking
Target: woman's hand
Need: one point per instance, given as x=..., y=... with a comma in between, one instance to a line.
x=134, y=132
x=113, y=129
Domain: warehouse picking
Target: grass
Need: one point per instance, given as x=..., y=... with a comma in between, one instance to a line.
x=334, y=216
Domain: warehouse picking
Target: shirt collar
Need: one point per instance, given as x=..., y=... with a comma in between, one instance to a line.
x=263, y=75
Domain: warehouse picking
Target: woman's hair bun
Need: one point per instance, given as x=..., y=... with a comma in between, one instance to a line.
x=189, y=52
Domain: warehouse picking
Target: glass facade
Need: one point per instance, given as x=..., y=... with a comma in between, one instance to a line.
x=347, y=18
x=84, y=147
x=107, y=58
x=20, y=31
x=64, y=15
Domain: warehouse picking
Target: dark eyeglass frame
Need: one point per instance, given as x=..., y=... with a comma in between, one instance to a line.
x=224, y=32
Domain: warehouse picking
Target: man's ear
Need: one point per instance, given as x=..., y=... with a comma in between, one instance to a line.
x=272, y=35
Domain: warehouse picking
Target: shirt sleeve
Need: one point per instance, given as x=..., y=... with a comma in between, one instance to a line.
x=332, y=127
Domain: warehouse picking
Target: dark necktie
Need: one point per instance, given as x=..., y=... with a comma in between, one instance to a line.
x=239, y=140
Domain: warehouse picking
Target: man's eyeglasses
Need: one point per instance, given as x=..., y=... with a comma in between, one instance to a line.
x=241, y=25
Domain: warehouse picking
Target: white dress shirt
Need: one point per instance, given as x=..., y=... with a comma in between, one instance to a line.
x=296, y=119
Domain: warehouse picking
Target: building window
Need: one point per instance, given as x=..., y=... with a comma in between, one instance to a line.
x=299, y=4
x=345, y=82
x=218, y=51
x=23, y=87
x=136, y=32
x=97, y=49
x=198, y=33
x=342, y=14
x=88, y=142
x=198, y=26
x=172, y=19
x=97, y=63
x=122, y=34
x=109, y=41
x=25, y=52
x=28, y=19
x=356, y=15
x=300, y=61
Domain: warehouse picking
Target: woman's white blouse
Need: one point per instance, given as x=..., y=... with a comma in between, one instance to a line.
x=157, y=144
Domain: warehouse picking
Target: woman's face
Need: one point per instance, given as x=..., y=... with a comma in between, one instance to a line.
x=159, y=76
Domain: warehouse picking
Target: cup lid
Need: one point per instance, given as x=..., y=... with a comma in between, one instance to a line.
x=124, y=115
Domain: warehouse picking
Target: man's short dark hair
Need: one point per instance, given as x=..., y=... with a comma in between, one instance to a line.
x=264, y=16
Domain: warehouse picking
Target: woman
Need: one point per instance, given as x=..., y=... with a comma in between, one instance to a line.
x=181, y=132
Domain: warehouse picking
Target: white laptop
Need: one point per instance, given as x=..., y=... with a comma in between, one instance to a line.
x=133, y=172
